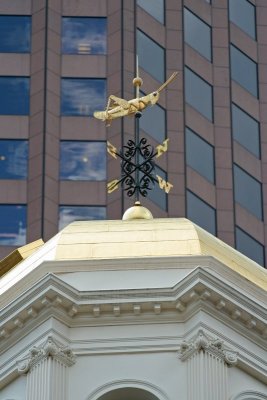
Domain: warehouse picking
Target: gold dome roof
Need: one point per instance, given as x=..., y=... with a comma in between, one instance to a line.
x=169, y=237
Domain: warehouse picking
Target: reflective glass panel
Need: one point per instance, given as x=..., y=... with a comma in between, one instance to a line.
x=199, y=155
x=68, y=214
x=244, y=71
x=82, y=96
x=81, y=35
x=153, y=122
x=151, y=56
x=198, y=94
x=14, y=95
x=242, y=13
x=84, y=161
x=249, y=246
x=246, y=130
x=197, y=34
x=157, y=195
x=15, y=34
x=201, y=213
x=154, y=8
x=248, y=192
x=12, y=225
x=13, y=159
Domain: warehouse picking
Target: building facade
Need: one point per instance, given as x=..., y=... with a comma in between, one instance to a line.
x=60, y=59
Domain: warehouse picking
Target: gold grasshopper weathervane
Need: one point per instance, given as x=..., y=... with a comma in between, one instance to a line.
x=137, y=156
x=117, y=107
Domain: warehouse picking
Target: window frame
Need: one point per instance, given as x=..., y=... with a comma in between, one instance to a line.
x=30, y=36
x=210, y=35
x=257, y=70
x=237, y=227
x=212, y=94
x=239, y=27
x=208, y=205
x=162, y=48
x=83, y=17
x=156, y=19
x=76, y=179
x=28, y=94
x=259, y=130
x=25, y=206
x=213, y=154
x=69, y=78
x=81, y=206
x=165, y=120
x=261, y=192
x=27, y=161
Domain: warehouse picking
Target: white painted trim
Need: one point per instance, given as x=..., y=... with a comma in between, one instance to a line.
x=127, y=383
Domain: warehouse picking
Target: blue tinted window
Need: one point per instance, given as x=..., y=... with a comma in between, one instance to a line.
x=246, y=130
x=14, y=95
x=154, y=8
x=242, y=13
x=151, y=56
x=82, y=96
x=198, y=94
x=68, y=214
x=83, y=160
x=201, y=213
x=15, y=34
x=153, y=122
x=13, y=159
x=248, y=192
x=82, y=35
x=199, y=155
x=244, y=71
x=12, y=225
x=249, y=246
x=197, y=34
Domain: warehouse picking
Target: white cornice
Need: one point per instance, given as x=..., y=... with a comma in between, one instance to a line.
x=199, y=288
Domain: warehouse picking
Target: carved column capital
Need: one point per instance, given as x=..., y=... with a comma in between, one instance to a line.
x=48, y=349
x=202, y=342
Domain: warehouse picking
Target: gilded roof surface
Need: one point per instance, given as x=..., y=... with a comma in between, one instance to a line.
x=151, y=238
x=170, y=237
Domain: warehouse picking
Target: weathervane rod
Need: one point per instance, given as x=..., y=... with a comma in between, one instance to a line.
x=137, y=82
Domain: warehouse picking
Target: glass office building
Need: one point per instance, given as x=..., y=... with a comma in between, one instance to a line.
x=58, y=63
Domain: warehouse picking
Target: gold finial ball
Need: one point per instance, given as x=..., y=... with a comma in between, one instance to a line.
x=137, y=81
x=137, y=212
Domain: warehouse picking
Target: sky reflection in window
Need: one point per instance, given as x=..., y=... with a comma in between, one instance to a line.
x=14, y=95
x=83, y=161
x=15, y=34
x=68, y=214
x=82, y=97
x=13, y=225
x=84, y=35
x=13, y=159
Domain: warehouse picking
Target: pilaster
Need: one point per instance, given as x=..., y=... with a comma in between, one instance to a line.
x=46, y=369
x=207, y=367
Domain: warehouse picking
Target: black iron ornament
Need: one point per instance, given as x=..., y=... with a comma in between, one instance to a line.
x=137, y=165
x=137, y=156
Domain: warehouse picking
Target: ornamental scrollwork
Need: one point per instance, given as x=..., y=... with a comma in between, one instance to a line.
x=49, y=349
x=202, y=342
